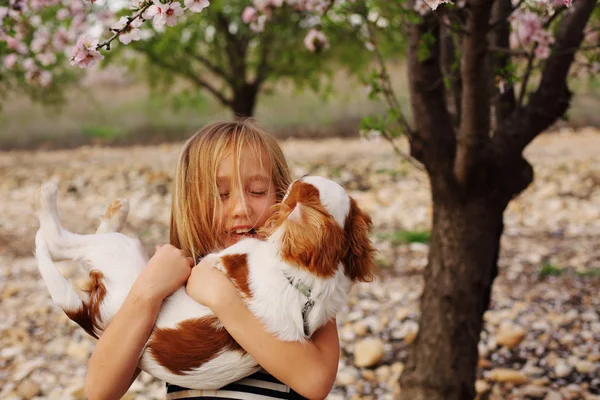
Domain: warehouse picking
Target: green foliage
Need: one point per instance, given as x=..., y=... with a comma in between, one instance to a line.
x=589, y=273
x=100, y=132
x=215, y=51
x=403, y=237
x=549, y=269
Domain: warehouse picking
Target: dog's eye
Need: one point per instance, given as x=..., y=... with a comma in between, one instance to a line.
x=224, y=196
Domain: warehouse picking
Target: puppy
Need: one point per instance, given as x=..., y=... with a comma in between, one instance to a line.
x=295, y=280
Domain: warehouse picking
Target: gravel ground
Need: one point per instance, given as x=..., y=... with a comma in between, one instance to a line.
x=542, y=334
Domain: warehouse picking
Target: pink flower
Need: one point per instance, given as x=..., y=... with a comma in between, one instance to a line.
x=62, y=14
x=61, y=39
x=249, y=15
x=162, y=14
x=85, y=54
x=10, y=61
x=16, y=45
x=47, y=58
x=29, y=64
x=173, y=11
x=131, y=33
x=525, y=26
x=39, y=77
x=315, y=41
x=568, y=3
x=435, y=3
x=542, y=52
x=422, y=8
x=196, y=5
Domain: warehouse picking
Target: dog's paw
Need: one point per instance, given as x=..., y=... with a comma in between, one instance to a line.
x=48, y=192
x=115, y=216
x=118, y=208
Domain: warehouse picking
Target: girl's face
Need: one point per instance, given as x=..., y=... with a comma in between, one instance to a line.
x=244, y=209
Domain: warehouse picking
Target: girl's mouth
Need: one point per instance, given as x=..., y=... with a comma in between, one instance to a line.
x=238, y=234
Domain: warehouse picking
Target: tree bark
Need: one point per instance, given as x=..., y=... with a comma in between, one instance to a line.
x=461, y=268
x=244, y=100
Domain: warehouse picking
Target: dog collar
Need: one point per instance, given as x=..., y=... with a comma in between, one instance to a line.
x=310, y=302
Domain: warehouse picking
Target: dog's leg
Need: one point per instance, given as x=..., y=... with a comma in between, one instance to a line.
x=115, y=217
x=61, y=291
x=61, y=243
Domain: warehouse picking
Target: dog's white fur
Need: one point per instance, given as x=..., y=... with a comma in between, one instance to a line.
x=120, y=259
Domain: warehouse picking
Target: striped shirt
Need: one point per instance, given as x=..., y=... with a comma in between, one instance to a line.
x=258, y=386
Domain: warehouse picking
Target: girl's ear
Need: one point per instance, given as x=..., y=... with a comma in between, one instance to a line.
x=359, y=261
x=313, y=241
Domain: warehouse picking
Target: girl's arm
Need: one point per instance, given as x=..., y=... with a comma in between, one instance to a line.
x=113, y=365
x=309, y=368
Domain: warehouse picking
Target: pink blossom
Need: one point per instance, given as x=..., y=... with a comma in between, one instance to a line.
x=542, y=52
x=47, y=58
x=525, y=25
x=162, y=14
x=85, y=54
x=433, y=4
x=249, y=15
x=39, y=77
x=62, y=14
x=316, y=41
x=259, y=24
x=196, y=5
x=173, y=11
x=568, y=3
x=421, y=7
x=10, y=61
x=61, y=39
x=131, y=33
x=41, y=39
x=29, y=64
x=16, y=45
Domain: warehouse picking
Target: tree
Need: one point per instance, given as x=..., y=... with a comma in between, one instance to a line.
x=234, y=60
x=476, y=104
x=226, y=49
x=486, y=77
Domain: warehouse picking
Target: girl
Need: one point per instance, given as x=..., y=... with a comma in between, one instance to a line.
x=228, y=176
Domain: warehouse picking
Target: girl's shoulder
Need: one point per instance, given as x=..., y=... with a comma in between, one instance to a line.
x=260, y=385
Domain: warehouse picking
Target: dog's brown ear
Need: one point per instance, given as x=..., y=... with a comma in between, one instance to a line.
x=359, y=262
x=313, y=241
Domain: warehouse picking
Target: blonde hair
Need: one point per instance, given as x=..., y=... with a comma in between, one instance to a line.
x=196, y=197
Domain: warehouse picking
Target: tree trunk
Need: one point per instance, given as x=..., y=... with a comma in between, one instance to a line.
x=461, y=268
x=244, y=100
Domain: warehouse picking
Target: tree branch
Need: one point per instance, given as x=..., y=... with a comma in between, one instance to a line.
x=212, y=67
x=552, y=97
x=505, y=103
x=433, y=141
x=262, y=70
x=475, y=119
x=451, y=70
x=236, y=51
x=183, y=68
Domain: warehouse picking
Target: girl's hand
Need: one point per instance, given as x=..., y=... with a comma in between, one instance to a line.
x=165, y=272
x=209, y=286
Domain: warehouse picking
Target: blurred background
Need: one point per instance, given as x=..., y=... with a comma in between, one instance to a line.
x=115, y=130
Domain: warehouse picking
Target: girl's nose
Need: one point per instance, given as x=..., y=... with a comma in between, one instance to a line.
x=239, y=205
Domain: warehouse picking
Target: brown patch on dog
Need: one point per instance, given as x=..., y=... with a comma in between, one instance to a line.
x=193, y=343
x=236, y=266
x=112, y=208
x=359, y=263
x=88, y=316
x=313, y=240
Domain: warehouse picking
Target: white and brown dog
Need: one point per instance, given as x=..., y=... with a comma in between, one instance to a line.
x=297, y=279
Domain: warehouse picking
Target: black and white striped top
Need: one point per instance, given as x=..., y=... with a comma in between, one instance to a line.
x=258, y=386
